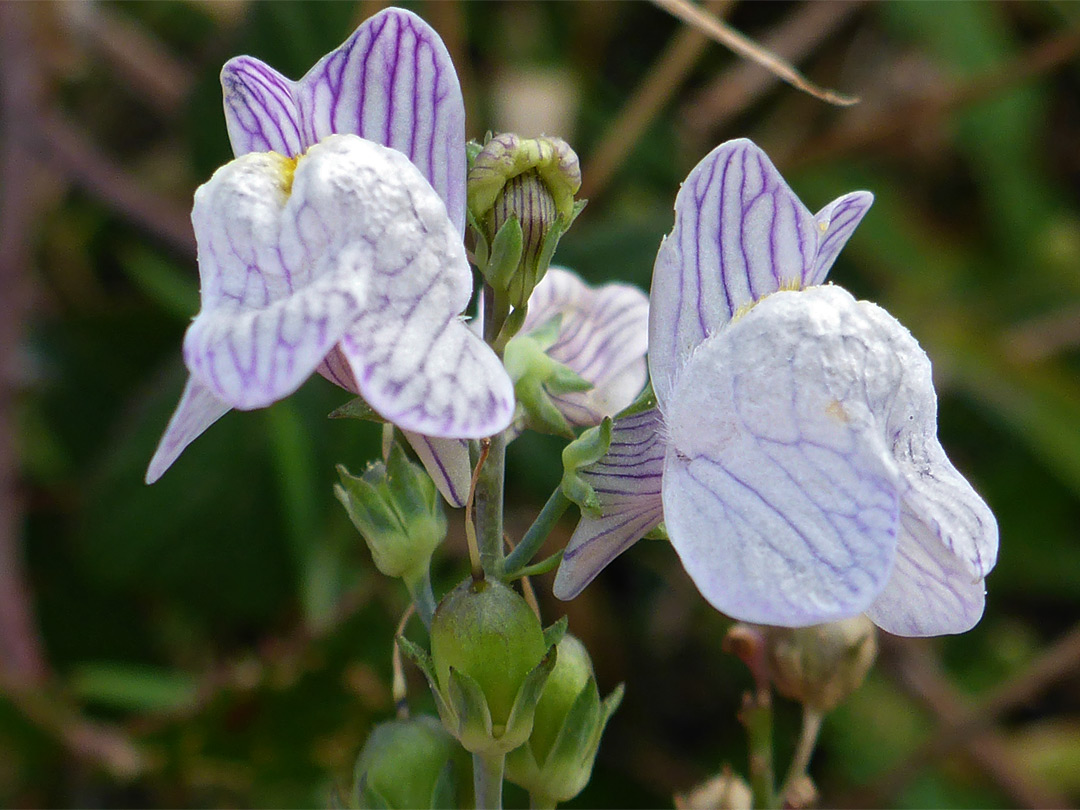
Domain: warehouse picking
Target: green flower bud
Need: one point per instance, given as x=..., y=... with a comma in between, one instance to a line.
x=556, y=762
x=820, y=666
x=397, y=509
x=488, y=664
x=411, y=763
x=487, y=631
x=521, y=200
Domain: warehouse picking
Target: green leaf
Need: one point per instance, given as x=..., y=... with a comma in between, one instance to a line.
x=356, y=409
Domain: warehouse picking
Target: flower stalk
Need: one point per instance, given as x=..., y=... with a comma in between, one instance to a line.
x=489, y=505
x=488, y=780
x=518, y=559
x=800, y=761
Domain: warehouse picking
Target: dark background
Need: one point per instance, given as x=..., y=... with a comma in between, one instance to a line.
x=222, y=638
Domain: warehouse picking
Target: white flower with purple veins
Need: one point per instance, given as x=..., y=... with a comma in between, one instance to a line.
x=333, y=243
x=602, y=337
x=793, y=452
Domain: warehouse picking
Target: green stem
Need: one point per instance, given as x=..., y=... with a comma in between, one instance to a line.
x=758, y=717
x=488, y=780
x=541, y=801
x=800, y=762
x=419, y=586
x=534, y=538
x=489, y=507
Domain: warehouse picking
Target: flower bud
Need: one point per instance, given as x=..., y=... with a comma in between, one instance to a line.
x=397, y=509
x=521, y=201
x=557, y=760
x=488, y=664
x=411, y=763
x=820, y=666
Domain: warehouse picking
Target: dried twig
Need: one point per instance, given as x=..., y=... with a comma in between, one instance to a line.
x=723, y=33
x=663, y=79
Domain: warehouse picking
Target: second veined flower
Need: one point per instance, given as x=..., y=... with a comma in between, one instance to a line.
x=333, y=252
x=600, y=336
x=792, y=453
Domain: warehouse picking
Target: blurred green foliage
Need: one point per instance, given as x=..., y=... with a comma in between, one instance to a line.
x=228, y=620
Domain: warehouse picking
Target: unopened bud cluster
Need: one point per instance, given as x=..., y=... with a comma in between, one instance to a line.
x=521, y=200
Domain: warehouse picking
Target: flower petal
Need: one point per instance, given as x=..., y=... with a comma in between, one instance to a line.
x=603, y=337
x=627, y=482
x=930, y=592
x=198, y=410
x=740, y=233
x=427, y=376
x=286, y=271
x=260, y=112
x=447, y=462
x=392, y=82
x=781, y=495
x=836, y=222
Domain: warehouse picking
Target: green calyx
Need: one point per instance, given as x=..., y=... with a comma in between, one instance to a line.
x=396, y=507
x=410, y=763
x=537, y=377
x=557, y=760
x=488, y=664
x=591, y=446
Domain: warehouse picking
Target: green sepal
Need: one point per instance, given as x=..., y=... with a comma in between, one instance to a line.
x=370, y=798
x=511, y=326
x=472, y=149
x=555, y=632
x=356, y=408
x=412, y=489
x=505, y=256
x=562, y=772
x=442, y=795
x=537, y=377
x=520, y=722
x=473, y=728
x=645, y=401
x=587, y=449
x=396, y=508
x=658, y=532
x=419, y=656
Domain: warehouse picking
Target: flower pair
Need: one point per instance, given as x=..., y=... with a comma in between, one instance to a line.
x=792, y=451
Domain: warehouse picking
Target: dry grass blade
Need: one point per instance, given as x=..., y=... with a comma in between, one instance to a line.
x=663, y=79
x=742, y=45
x=743, y=83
